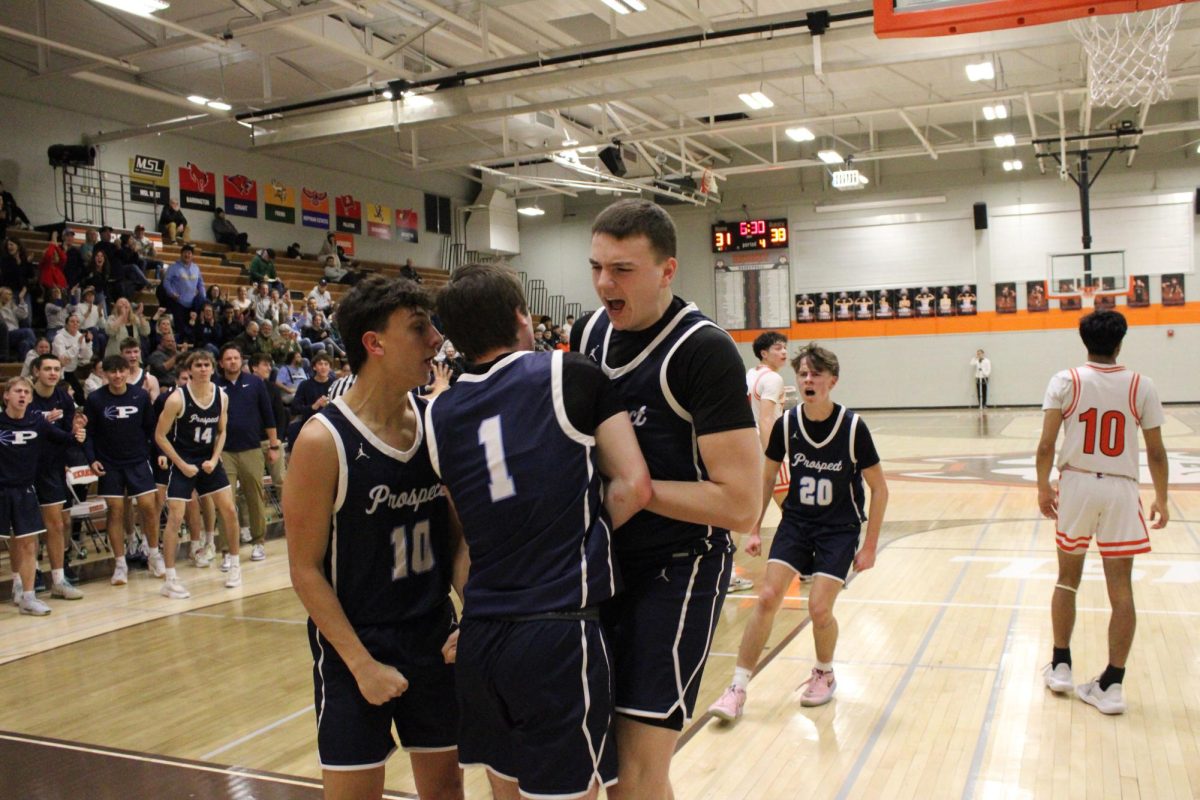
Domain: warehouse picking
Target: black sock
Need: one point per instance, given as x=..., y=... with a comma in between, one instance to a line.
x=1062, y=655
x=1110, y=676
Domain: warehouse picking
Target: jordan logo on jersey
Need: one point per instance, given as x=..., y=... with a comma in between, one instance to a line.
x=592, y=354
x=383, y=495
x=361, y=453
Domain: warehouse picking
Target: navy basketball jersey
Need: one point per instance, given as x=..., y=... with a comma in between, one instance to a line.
x=141, y=380
x=54, y=458
x=526, y=486
x=827, y=484
x=389, y=556
x=120, y=426
x=23, y=443
x=195, y=429
x=664, y=428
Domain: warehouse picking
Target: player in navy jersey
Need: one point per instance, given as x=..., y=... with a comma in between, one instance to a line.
x=120, y=435
x=139, y=376
x=53, y=402
x=831, y=453
x=24, y=437
x=198, y=552
x=371, y=543
x=540, y=550
x=191, y=433
x=682, y=381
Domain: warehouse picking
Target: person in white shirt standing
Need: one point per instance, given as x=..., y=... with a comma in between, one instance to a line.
x=1099, y=406
x=764, y=390
x=982, y=366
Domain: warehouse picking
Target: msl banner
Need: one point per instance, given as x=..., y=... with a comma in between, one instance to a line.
x=314, y=208
x=379, y=221
x=349, y=214
x=281, y=203
x=406, y=225
x=241, y=196
x=197, y=188
x=148, y=181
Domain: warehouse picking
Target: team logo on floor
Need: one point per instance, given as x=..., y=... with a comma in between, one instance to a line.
x=1021, y=469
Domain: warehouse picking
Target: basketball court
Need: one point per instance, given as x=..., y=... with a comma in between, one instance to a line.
x=939, y=664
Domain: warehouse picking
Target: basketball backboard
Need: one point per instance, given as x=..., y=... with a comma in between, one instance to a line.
x=1087, y=274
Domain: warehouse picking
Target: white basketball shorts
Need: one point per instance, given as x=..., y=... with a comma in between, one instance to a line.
x=1104, y=507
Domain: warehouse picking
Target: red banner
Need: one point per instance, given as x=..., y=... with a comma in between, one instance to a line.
x=406, y=224
x=349, y=214
x=241, y=196
x=197, y=188
x=345, y=241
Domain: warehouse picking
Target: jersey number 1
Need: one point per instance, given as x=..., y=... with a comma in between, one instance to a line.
x=1110, y=436
x=422, y=556
x=500, y=482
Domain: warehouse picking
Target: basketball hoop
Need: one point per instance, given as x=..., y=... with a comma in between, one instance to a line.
x=1127, y=55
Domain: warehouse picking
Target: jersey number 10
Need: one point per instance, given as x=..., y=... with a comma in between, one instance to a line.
x=422, y=555
x=1110, y=433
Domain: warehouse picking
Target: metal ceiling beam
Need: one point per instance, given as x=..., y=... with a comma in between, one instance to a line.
x=154, y=128
x=119, y=18
x=32, y=38
x=920, y=136
x=148, y=92
x=353, y=54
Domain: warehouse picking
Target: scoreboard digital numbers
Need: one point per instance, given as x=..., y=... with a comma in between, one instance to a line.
x=752, y=234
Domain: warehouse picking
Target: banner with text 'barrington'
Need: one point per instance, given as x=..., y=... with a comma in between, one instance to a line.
x=197, y=188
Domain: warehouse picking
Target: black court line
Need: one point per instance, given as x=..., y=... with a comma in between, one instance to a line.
x=42, y=767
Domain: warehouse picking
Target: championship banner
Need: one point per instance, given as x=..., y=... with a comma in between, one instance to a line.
x=349, y=214
x=314, y=208
x=379, y=221
x=406, y=225
x=241, y=196
x=281, y=203
x=197, y=188
x=148, y=181
x=346, y=242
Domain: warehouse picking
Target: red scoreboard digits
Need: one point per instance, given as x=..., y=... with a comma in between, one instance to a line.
x=752, y=234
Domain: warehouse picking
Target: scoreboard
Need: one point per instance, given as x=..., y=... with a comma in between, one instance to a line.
x=751, y=234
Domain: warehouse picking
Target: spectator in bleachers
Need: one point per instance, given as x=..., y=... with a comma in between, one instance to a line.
x=227, y=233
x=90, y=237
x=41, y=348
x=286, y=342
x=311, y=396
x=11, y=214
x=106, y=244
x=184, y=285
x=207, y=332
x=243, y=303
x=126, y=322
x=262, y=307
x=320, y=333
x=145, y=250
x=173, y=225
x=96, y=377
x=247, y=341
x=291, y=374
x=127, y=278
x=337, y=272
x=164, y=362
x=50, y=268
x=409, y=271
x=267, y=340
x=330, y=248
x=281, y=308
x=262, y=269
x=95, y=276
x=566, y=328
x=71, y=347
x=293, y=250
x=164, y=323
x=320, y=295
x=73, y=265
x=16, y=272
x=91, y=318
x=56, y=312
x=18, y=337
x=231, y=324
x=213, y=298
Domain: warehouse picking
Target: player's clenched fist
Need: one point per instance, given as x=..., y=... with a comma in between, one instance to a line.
x=450, y=648
x=380, y=683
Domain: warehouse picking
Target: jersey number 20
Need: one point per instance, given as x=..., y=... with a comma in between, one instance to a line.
x=816, y=492
x=422, y=555
x=1109, y=434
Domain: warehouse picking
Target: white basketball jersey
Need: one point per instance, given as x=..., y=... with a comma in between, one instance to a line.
x=1103, y=405
x=763, y=382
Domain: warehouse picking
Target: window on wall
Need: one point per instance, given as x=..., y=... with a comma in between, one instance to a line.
x=437, y=214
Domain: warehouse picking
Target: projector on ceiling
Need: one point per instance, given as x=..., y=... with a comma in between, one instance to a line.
x=849, y=179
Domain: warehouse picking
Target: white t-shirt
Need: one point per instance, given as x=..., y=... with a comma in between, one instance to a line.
x=1103, y=406
x=983, y=367
x=763, y=383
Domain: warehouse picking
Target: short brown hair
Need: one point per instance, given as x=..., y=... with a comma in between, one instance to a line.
x=369, y=305
x=626, y=219
x=14, y=380
x=819, y=358
x=130, y=342
x=476, y=308
x=199, y=355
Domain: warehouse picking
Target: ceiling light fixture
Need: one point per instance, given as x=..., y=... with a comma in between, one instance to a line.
x=625, y=6
x=416, y=101
x=530, y=211
x=388, y=94
x=800, y=134
x=830, y=156
x=143, y=8
x=198, y=99
x=998, y=111
x=1013, y=164
x=219, y=105
x=983, y=71
x=756, y=100
x=1004, y=140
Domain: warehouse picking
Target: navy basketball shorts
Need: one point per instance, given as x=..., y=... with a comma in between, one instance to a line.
x=161, y=476
x=180, y=486
x=661, y=626
x=536, y=703
x=815, y=551
x=51, y=483
x=353, y=734
x=19, y=512
x=129, y=480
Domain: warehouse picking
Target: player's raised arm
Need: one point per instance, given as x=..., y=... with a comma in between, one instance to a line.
x=310, y=490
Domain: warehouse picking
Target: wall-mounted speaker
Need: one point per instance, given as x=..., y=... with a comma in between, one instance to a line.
x=1198, y=202
x=612, y=159
x=981, y=216
x=71, y=155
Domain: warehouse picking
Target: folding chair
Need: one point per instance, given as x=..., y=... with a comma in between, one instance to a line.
x=84, y=511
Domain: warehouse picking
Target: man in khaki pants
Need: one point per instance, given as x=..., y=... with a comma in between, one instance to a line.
x=251, y=420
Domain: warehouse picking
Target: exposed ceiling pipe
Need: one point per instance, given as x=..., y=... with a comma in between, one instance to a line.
x=14, y=33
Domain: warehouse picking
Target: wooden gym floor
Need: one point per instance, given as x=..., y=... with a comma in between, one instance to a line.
x=126, y=694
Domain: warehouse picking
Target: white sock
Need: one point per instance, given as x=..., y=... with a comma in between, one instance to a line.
x=28, y=597
x=170, y=573
x=741, y=677
x=825, y=666
x=121, y=562
x=16, y=582
x=57, y=576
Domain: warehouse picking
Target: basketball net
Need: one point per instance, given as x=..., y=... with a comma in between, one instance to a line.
x=1127, y=55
